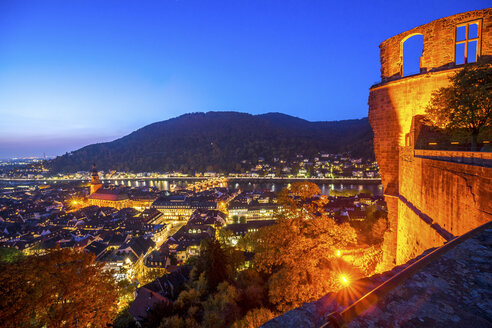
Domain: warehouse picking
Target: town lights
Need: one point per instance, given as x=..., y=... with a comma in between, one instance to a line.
x=344, y=280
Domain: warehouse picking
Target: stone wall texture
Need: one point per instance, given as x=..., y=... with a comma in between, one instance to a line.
x=439, y=199
x=452, y=291
x=439, y=43
x=429, y=200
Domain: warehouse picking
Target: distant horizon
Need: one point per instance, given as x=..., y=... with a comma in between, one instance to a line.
x=74, y=73
x=121, y=136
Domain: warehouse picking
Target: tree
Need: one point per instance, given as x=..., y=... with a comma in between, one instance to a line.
x=126, y=290
x=124, y=320
x=173, y=322
x=254, y=318
x=152, y=274
x=248, y=242
x=220, y=309
x=303, y=200
x=466, y=104
x=299, y=251
x=216, y=266
x=61, y=288
x=10, y=255
x=335, y=193
x=218, y=261
x=366, y=191
x=226, y=237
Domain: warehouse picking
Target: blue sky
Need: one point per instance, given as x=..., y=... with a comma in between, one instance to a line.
x=78, y=72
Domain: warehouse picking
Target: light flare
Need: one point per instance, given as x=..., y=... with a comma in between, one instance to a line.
x=344, y=280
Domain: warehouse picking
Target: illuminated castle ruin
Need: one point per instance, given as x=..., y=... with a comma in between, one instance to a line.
x=432, y=196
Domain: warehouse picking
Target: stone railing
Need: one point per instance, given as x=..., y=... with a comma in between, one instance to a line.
x=465, y=157
x=340, y=319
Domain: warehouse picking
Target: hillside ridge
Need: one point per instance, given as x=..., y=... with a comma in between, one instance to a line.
x=219, y=141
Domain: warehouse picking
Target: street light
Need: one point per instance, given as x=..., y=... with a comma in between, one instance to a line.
x=344, y=280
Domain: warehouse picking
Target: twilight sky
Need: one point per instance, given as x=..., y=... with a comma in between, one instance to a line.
x=78, y=72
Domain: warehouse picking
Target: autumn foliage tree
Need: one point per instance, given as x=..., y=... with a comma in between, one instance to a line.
x=299, y=251
x=466, y=104
x=61, y=288
x=254, y=318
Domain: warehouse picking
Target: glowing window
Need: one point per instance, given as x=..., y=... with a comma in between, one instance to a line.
x=467, y=43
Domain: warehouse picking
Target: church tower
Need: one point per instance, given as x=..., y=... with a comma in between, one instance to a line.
x=95, y=182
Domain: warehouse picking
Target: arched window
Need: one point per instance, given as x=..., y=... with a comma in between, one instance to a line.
x=413, y=47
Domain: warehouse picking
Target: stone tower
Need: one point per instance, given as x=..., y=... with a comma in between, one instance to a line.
x=95, y=182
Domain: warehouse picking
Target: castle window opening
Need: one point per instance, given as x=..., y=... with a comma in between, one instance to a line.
x=467, y=43
x=413, y=48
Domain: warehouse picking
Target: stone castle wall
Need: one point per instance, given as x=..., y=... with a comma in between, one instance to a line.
x=438, y=191
x=439, y=44
x=439, y=199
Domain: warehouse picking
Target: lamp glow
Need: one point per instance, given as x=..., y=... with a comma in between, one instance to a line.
x=344, y=280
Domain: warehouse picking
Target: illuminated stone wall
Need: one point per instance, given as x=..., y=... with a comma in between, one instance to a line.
x=438, y=189
x=457, y=197
x=439, y=44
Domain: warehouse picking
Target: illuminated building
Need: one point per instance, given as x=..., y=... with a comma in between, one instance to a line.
x=142, y=201
x=181, y=207
x=253, y=211
x=95, y=182
x=104, y=197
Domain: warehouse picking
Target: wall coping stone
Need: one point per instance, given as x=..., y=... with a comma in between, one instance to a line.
x=462, y=157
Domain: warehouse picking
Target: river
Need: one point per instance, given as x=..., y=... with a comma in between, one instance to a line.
x=165, y=184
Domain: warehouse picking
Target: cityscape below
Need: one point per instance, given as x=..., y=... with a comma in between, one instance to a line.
x=233, y=164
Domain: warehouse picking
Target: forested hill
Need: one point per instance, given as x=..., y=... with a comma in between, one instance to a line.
x=219, y=141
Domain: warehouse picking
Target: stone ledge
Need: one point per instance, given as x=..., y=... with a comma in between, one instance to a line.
x=447, y=288
x=453, y=291
x=464, y=157
x=313, y=314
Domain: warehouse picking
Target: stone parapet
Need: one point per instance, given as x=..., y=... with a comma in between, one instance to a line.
x=442, y=287
x=449, y=287
x=465, y=157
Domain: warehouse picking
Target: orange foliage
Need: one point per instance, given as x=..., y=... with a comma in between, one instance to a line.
x=300, y=250
x=62, y=288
